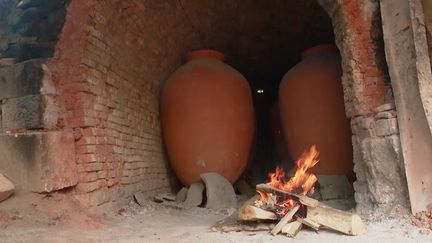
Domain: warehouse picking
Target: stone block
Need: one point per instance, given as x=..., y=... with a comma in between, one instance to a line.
x=23, y=112
x=39, y=161
x=362, y=126
x=382, y=173
x=21, y=79
x=386, y=127
x=7, y=188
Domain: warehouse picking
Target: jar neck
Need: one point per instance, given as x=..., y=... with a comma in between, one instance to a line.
x=205, y=54
x=319, y=50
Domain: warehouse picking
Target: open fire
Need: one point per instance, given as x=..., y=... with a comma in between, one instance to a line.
x=301, y=183
x=287, y=201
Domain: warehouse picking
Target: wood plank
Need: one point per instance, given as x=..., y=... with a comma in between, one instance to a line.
x=291, y=229
x=345, y=222
x=310, y=223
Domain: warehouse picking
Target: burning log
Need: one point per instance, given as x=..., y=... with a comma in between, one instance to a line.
x=287, y=199
x=285, y=220
x=305, y=200
x=319, y=214
x=291, y=229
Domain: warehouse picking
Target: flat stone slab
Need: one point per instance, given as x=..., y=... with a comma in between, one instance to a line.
x=7, y=188
x=335, y=187
x=181, y=195
x=194, y=195
x=39, y=161
x=220, y=193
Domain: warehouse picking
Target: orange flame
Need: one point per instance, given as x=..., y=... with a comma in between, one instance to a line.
x=265, y=197
x=301, y=183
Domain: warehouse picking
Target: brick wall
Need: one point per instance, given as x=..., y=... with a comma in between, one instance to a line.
x=109, y=92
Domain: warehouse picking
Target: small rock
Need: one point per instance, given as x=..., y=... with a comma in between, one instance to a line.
x=425, y=231
x=220, y=193
x=181, y=195
x=6, y=188
x=194, y=196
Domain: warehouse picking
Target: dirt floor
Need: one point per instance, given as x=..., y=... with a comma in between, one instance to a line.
x=58, y=218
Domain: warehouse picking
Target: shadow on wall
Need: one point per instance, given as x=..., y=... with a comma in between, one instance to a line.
x=29, y=28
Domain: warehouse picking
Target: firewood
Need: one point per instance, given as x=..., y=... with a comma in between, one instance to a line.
x=248, y=212
x=310, y=223
x=305, y=200
x=345, y=222
x=252, y=213
x=285, y=220
x=291, y=229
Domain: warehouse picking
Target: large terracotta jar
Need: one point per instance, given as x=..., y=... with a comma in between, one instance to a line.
x=312, y=110
x=207, y=118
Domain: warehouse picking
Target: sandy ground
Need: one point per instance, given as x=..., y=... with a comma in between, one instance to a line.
x=34, y=218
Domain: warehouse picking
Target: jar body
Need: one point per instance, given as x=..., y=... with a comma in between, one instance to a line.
x=312, y=112
x=207, y=120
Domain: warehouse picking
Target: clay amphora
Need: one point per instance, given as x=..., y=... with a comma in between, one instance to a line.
x=207, y=118
x=312, y=110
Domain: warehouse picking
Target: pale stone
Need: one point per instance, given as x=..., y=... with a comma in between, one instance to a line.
x=386, y=127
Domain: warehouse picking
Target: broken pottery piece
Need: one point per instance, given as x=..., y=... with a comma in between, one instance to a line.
x=166, y=196
x=335, y=187
x=220, y=193
x=194, y=195
x=181, y=195
x=6, y=188
x=140, y=198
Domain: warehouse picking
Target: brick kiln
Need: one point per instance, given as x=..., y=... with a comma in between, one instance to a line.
x=80, y=82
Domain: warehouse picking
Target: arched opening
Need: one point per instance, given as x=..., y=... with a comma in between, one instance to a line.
x=99, y=89
x=130, y=48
